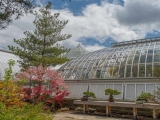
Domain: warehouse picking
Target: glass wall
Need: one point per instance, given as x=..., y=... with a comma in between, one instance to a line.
x=127, y=61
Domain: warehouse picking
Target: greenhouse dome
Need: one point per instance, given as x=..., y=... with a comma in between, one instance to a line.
x=130, y=59
x=5, y=57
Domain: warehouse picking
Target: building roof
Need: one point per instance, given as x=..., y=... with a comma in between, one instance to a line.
x=136, y=41
x=138, y=60
x=76, y=52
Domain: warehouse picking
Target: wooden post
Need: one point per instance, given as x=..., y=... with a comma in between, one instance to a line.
x=84, y=108
x=87, y=108
x=109, y=107
x=134, y=113
x=107, y=111
x=154, y=114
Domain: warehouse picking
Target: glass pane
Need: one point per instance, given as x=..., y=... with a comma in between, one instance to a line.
x=136, y=59
x=121, y=70
x=134, y=70
x=104, y=73
x=98, y=73
x=157, y=55
x=156, y=70
x=115, y=71
x=128, y=71
x=149, y=58
x=111, y=68
x=130, y=58
x=143, y=58
x=148, y=70
x=142, y=70
x=150, y=51
x=138, y=52
x=157, y=58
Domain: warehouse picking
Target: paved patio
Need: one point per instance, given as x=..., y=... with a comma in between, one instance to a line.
x=71, y=116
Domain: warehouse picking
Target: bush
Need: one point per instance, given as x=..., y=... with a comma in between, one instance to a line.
x=10, y=93
x=111, y=92
x=44, y=85
x=89, y=94
x=25, y=112
x=144, y=96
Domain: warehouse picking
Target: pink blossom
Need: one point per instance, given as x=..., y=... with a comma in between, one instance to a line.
x=44, y=83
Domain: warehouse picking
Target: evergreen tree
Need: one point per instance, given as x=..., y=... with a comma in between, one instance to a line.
x=41, y=47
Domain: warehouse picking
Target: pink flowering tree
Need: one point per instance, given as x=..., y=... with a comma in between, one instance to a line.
x=43, y=85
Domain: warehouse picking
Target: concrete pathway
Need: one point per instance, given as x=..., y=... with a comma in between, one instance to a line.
x=72, y=116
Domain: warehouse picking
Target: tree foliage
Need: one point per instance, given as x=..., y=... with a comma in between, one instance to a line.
x=145, y=96
x=157, y=72
x=111, y=92
x=25, y=112
x=41, y=47
x=8, y=71
x=10, y=94
x=44, y=85
x=12, y=9
x=89, y=94
x=9, y=90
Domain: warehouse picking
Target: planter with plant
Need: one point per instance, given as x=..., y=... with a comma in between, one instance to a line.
x=143, y=97
x=111, y=92
x=87, y=95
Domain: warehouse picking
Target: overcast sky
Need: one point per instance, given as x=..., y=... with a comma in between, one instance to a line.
x=96, y=23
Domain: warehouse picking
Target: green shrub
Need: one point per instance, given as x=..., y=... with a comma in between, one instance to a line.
x=111, y=92
x=25, y=112
x=89, y=94
x=144, y=96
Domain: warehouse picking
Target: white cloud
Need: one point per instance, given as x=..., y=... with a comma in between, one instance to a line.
x=16, y=30
x=129, y=22
x=139, y=12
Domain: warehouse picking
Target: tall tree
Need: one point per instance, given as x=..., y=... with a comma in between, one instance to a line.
x=12, y=9
x=41, y=47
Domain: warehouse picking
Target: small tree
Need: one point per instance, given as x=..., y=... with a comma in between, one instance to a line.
x=89, y=94
x=40, y=47
x=45, y=85
x=9, y=90
x=111, y=92
x=144, y=96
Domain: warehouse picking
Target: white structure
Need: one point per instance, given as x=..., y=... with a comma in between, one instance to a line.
x=126, y=66
x=5, y=56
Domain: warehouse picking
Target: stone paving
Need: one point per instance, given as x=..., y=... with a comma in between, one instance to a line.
x=71, y=116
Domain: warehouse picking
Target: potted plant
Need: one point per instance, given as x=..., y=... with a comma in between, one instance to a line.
x=87, y=95
x=111, y=92
x=143, y=97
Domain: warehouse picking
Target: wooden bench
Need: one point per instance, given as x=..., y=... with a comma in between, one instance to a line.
x=119, y=104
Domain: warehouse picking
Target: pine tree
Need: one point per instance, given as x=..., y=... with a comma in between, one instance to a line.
x=41, y=47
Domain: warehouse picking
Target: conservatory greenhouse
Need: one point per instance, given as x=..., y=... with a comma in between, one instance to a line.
x=126, y=66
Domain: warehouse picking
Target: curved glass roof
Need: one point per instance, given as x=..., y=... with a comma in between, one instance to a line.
x=76, y=52
x=4, y=58
x=132, y=59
